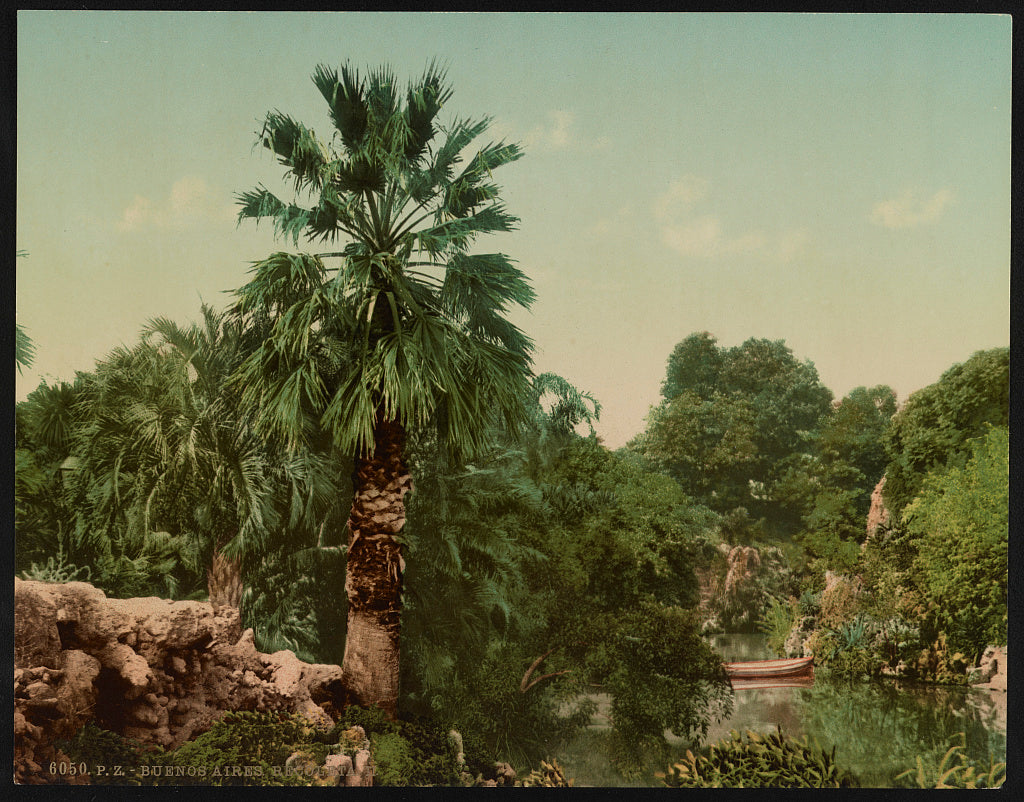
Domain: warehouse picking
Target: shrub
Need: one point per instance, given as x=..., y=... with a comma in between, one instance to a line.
x=242, y=748
x=258, y=741
x=953, y=771
x=392, y=759
x=96, y=746
x=839, y=602
x=759, y=761
x=776, y=622
x=809, y=603
x=411, y=751
x=57, y=570
x=549, y=775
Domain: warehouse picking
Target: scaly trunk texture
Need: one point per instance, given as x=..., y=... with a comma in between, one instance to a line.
x=373, y=580
x=224, y=581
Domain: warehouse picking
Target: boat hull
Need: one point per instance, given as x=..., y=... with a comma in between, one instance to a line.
x=770, y=669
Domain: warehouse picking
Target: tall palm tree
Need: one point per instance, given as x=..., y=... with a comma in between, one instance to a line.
x=407, y=328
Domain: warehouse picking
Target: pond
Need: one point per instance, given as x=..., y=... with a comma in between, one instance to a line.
x=878, y=727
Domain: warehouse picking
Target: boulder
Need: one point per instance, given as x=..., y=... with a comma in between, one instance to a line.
x=991, y=670
x=151, y=669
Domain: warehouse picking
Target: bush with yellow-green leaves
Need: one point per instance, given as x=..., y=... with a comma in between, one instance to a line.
x=955, y=770
x=758, y=760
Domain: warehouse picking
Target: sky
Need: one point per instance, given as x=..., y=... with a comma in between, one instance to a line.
x=837, y=181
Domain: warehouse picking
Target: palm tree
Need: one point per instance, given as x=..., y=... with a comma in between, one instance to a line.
x=24, y=348
x=248, y=491
x=407, y=329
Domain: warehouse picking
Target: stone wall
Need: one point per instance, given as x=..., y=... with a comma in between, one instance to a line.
x=155, y=670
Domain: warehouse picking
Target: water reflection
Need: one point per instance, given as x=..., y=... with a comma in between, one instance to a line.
x=878, y=728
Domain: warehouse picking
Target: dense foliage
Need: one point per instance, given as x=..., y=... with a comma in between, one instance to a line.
x=955, y=770
x=733, y=420
x=960, y=524
x=756, y=760
x=931, y=433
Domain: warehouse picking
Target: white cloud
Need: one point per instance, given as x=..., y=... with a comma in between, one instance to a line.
x=190, y=201
x=907, y=210
x=554, y=134
x=604, y=226
x=559, y=135
x=703, y=236
x=557, y=132
x=682, y=194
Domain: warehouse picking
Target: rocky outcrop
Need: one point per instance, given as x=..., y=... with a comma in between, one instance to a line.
x=154, y=670
x=991, y=670
x=878, y=515
x=798, y=642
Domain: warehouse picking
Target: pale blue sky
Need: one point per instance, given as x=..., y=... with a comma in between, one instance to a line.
x=841, y=182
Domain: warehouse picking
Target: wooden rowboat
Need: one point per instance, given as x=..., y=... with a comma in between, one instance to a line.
x=770, y=669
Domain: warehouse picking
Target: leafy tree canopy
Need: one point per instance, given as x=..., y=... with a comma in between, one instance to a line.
x=732, y=418
x=960, y=523
x=932, y=430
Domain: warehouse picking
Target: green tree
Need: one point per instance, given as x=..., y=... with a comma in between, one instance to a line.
x=43, y=466
x=849, y=444
x=960, y=522
x=833, y=485
x=408, y=330
x=708, y=445
x=616, y=600
x=695, y=364
x=164, y=457
x=930, y=433
x=732, y=422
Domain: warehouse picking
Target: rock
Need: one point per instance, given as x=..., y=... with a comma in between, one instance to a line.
x=839, y=599
x=504, y=774
x=80, y=656
x=991, y=671
x=361, y=774
x=878, y=515
x=797, y=643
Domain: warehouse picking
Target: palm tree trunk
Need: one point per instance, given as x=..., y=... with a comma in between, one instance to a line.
x=373, y=579
x=224, y=581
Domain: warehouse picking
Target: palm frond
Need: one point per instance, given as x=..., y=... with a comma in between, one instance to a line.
x=297, y=149
x=289, y=219
x=346, y=102
x=424, y=99
x=24, y=348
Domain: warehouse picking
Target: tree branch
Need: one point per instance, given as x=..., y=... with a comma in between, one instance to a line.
x=526, y=684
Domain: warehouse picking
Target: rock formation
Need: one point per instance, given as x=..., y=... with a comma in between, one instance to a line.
x=991, y=670
x=150, y=669
x=878, y=515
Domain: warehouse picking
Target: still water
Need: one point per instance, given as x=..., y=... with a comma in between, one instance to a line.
x=878, y=727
